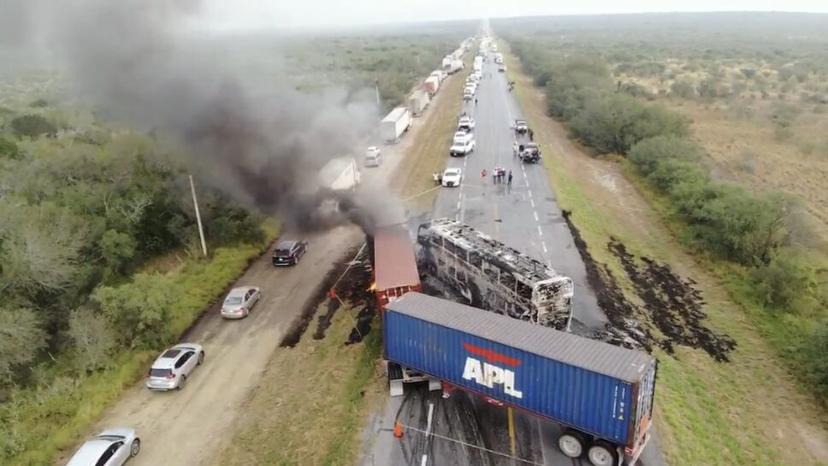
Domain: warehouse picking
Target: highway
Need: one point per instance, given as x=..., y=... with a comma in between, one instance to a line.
x=524, y=215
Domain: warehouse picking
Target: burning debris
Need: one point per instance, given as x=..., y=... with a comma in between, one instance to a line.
x=347, y=282
x=493, y=276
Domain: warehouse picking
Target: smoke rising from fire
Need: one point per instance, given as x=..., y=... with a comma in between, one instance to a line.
x=255, y=138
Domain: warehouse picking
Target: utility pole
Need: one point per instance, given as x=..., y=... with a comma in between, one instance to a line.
x=379, y=104
x=198, y=218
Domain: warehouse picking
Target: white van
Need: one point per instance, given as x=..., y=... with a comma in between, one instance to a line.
x=373, y=157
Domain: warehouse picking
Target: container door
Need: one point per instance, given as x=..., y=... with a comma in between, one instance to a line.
x=646, y=390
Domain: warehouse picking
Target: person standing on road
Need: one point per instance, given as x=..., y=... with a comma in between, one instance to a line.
x=475, y=101
x=510, y=178
x=531, y=135
x=483, y=174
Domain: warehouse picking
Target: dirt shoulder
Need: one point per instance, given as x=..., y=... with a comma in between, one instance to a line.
x=746, y=411
x=188, y=427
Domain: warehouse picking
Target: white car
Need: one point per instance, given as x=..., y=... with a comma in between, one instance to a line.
x=112, y=447
x=171, y=369
x=373, y=157
x=467, y=96
x=461, y=136
x=239, y=302
x=462, y=148
x=470, y=89
x=452, y=177
x=501, y=68
x=466, y=124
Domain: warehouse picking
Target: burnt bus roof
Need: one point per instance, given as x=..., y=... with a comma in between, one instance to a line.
x=499, y=254
x=394, y=261
x=596, y=356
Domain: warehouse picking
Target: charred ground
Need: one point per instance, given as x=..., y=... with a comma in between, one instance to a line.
x=671, y=311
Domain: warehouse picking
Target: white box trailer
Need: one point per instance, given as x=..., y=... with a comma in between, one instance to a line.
x=340, y=174
x=456, y=65
x=395, y=124
x=418, y=102
x=437, y=74
x=432, y=84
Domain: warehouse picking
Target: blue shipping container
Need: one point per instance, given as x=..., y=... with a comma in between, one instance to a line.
x=592, y=386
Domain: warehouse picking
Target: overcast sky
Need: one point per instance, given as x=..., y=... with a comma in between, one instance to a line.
x=258, y=14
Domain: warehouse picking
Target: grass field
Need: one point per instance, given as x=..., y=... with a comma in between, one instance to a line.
x=749, y=411
x=427, y=154
x=311, y=402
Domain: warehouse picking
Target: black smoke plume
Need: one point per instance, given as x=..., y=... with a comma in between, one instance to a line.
x=257, y=139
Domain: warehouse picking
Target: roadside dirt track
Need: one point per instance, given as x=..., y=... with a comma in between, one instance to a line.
x=188, y=427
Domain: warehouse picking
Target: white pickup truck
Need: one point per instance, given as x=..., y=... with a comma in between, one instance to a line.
x=461, y=147
x=466, y=124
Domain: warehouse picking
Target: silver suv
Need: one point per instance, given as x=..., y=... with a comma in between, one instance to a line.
x=171, y=369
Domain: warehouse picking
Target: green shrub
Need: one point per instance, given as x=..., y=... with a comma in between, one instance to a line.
x=9, y=149
x=21, y=338
x=33, y=126
x=646, y=154
x=93, y=340
x=739, y=226
x=812, y=353
x=139, y=311
x=613, y=123
x=783, y=282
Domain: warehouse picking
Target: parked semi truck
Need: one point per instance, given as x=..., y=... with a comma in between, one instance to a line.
x=395, y=124
x=418, y=102
x=493, y=276
x=601, y=395
x=395, y=274
x=340, y=174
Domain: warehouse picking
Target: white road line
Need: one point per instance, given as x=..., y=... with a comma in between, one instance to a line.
x=530, y=195
x=536, y=216
x=543, y=246
x=540, y=232
x=532, y=203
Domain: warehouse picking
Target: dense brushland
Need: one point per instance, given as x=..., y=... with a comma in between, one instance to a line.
x=84, y=209
x=749, y=232
x=393, y=60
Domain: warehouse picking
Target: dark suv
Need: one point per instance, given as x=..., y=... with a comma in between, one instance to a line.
x=289, y=252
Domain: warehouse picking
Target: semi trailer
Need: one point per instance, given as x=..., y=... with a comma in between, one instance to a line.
x=600, y=394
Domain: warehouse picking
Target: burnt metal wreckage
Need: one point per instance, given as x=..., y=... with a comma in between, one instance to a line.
x=493, y=276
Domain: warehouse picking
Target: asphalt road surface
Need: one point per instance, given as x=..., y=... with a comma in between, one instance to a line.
x=524, y=215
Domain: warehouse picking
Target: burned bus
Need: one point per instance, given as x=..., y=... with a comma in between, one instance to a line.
x=493, y=276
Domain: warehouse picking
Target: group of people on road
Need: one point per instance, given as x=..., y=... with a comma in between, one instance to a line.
x=499, y=175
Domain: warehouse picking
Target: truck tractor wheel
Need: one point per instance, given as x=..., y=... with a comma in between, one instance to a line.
x=571, y=444
x=602, y=453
